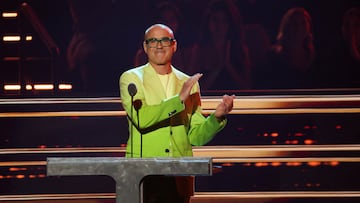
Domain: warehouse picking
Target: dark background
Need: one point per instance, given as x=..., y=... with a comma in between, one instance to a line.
x=118, y=28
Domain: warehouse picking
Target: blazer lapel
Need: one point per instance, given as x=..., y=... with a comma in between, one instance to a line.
x=178, y=81
x=154, y=92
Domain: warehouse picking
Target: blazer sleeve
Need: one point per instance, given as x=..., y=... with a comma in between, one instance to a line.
x=203, y=129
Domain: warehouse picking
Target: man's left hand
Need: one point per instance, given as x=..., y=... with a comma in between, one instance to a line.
x=225, y=106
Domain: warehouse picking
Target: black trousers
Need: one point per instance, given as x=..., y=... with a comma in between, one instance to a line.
x=167, y=189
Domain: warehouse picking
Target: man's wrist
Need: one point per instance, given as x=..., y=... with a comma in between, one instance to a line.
x=220, y=118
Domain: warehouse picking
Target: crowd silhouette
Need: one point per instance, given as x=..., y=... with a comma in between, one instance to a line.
x=238, y=45
x=220, y=52
x=290, y=58
x=344, y=66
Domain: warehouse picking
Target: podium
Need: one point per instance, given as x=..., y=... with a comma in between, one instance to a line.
x=128, y=172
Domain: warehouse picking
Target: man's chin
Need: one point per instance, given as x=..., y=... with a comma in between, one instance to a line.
x=161, y=63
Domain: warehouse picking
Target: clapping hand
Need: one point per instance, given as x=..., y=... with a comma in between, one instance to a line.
x=225, y=106
x=188, y=85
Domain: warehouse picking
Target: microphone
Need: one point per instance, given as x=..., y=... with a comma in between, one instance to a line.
x=132, y=92
x=137, y=105
x=134, y=105
x=132, y=89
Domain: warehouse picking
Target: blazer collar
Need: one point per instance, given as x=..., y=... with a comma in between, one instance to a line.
x=153, y=85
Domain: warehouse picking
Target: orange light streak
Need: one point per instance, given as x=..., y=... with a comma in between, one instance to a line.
x=14, y=38
x=65, y=86
x=28, y=38
x=9, y=14
x=12, y=87
x=314, y=163
x=43, y=86
x=28, y=87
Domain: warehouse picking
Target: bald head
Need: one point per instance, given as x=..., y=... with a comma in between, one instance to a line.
x=160, y=45
x=159, y=27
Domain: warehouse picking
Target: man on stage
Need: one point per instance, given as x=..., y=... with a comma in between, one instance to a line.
x=164, y=112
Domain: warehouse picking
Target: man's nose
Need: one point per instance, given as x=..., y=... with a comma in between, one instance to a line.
x=159, y=45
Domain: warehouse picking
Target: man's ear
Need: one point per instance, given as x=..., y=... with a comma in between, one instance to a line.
x=175, y=46
x=145, y=47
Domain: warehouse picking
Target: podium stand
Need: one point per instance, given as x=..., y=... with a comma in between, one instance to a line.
x=128, y=172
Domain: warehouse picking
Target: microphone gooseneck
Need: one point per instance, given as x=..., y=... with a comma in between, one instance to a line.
x=132, y=92
x=137, y=105
x=134, y=105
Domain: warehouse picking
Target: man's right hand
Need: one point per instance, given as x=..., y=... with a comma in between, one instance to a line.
x=187, y=86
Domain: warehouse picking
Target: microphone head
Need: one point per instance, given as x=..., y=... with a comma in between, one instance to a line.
x=132, y=89
x=137, y=104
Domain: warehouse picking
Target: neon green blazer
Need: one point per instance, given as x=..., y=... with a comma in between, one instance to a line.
x=164, y=126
